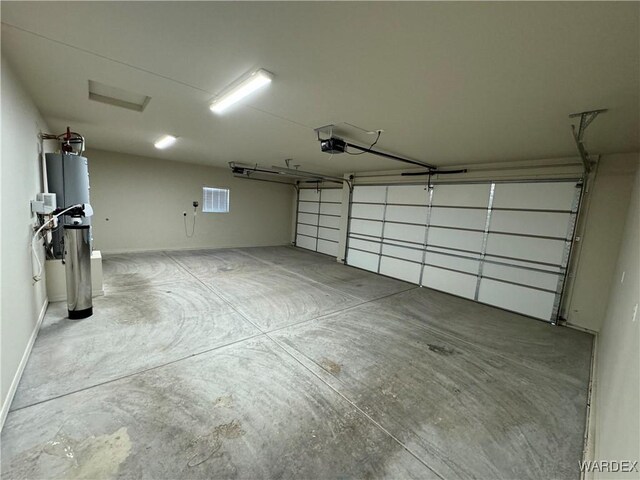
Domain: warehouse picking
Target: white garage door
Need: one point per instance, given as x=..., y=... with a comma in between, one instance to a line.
x=318, y=220
x=504, y=244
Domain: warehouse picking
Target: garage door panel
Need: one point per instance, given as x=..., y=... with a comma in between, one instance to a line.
x=309, y=194
x=410, y=233
x=407, y=252
x=552, y=269
x=307, y=218
x=407, y=214
x=375, y=212
x=532, y=223
x=459, y=217
x=532, y=196
x=308, y=207
x=364, y=244
x=461, y=195
x=407, y=271
x=469, y=265
x=364, y=260
x=366, y=227
x=332, y=195
x=403, y=243
x=534, y=278
x=306, y=242
x=519, y=299
x=369, y=194
x=408, y=194
x=333, y=222
x=456, y=283
x=328, y=248
x=328, y=234
x=526, y=248
x=458, y=239
x=450, y=251
x=331, y=208
x=307, y=230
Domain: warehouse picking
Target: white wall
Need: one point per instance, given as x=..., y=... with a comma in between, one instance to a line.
x=23, y=301
x=616, y=410
x=143, y=200
x=605, y=210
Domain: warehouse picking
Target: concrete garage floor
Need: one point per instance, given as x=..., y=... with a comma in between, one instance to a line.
x=280, y=363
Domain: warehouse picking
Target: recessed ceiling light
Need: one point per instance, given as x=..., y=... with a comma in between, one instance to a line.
x=165, y=141
x=117, y=97
x=257, y=79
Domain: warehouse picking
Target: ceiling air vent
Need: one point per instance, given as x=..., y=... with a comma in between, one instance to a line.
x=117, y=97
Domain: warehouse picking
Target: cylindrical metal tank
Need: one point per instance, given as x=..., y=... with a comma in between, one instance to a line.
x=68, y=178
x=77, y=259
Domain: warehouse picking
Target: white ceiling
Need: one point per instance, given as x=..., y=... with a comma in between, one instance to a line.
x=450, y=83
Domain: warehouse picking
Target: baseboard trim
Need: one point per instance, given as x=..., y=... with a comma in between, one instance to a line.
x=588, y=451
x=119, y=251
x=581, y=329
x=6, y=405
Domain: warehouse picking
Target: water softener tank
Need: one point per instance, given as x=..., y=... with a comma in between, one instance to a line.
x=68, y=178
x=77, y=259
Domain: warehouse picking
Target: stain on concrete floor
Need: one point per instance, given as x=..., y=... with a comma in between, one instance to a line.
x=206, y=446
x=330, y=366
x=417, y=384
x=89, y=458
x=441, y=350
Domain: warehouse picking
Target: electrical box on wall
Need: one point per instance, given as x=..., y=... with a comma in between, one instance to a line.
x=44, y=204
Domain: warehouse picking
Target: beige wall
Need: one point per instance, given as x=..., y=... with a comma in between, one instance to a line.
x=604, y=213
x=22, y=299
x=616, y=410
x=143, y=200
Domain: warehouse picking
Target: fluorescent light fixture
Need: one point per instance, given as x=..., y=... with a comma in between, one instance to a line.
x=165, y=142
x=257, y=79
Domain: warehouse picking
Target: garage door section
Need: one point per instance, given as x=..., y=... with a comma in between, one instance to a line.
x=318, y=221
x=455, y=236
x=365, y=227
x=504, y=244
x=528, y=246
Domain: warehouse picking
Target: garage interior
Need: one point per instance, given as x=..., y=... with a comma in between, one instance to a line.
x=320, y=240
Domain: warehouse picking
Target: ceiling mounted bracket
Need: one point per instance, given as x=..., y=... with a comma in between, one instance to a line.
x=325, y=129
x=578, y=135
